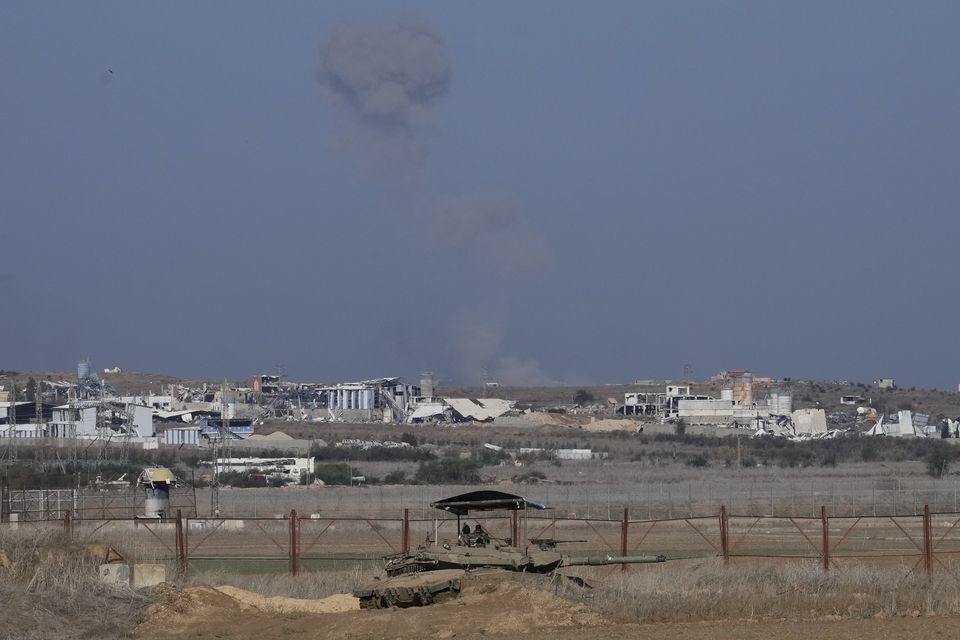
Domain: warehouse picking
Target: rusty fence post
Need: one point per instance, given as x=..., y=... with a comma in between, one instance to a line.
x=724, y=534
x=181, y=547
x=293, y=542
x=67, y=524
x=405, y=531
x=927, y=540
x=826, y=537
x=624, y=532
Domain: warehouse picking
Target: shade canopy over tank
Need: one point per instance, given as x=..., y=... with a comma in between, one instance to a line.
x=485, y=501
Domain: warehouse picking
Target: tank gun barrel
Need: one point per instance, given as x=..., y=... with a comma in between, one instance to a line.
x=574, y=561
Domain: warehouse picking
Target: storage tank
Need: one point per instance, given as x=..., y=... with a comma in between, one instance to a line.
x=726, y=393
x=780, y=402
x=83, y=369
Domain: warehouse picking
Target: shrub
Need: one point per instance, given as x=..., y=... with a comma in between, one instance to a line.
x=335, y=473
x=449, y=471
x=698, y=460
x=395, y=477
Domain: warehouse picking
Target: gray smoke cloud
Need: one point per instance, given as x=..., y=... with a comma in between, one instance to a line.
x=387, y=79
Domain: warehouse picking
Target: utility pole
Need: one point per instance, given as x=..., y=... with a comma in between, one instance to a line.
x=218, y=451
x=12, y=419
x=38, y=406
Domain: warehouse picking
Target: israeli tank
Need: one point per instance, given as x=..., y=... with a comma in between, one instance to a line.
x=433, y=571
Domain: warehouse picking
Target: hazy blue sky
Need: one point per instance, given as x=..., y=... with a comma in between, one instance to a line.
x=764, y=185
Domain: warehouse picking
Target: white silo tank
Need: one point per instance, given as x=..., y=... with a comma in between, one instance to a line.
x=780, y=402
x=726, y=393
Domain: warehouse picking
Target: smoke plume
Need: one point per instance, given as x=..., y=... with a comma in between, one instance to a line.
x=489, y=229
x=476, y=344
x=386, y=81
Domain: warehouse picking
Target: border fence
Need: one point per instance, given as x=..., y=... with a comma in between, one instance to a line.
x=296, y=542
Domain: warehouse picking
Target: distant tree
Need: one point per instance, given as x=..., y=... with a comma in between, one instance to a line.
x=30, y=391
x=938, y=459
x=680, y=428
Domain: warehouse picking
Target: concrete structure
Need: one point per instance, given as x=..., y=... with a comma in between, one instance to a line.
x=809, y=421
x=177, y=436
x=73, y=421
x=886, y=383
x=426, y=386
x=852, y=400
x=115, y=574
x=478, y=410
x=386, y=399
x=723, y=412
x=573, y=454
x=148, y=575
x=90, y=419
x=742, y=385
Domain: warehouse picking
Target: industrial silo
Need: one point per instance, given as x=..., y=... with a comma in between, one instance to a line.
x=726, y=394
x=780, y=402
x=83, y=369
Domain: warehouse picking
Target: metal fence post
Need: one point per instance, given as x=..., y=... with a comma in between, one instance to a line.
x=724, y=534
x=624, y=531
x=515, y=528
x=826, y=537
x=293, y=542
x=927, y=540
x=4, y=499
x=405, y=531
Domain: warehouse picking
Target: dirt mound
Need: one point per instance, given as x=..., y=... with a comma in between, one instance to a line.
x=610, y=424
x=173, y=605
x=504, y=604
x=333, y=604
